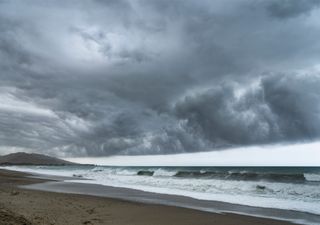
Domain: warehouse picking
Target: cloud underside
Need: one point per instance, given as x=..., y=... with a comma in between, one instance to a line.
x=97, y=78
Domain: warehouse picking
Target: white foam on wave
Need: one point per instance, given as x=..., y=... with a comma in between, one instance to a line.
x=164, y=173
x=312, y=177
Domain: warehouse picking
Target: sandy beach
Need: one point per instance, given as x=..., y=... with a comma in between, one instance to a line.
x=19, y=206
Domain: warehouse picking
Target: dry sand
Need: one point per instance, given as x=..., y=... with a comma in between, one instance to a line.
x=19, y=206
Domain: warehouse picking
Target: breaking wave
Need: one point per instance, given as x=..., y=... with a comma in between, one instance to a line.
x=243, y=175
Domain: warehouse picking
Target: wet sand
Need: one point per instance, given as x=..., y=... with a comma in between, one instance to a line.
x=20, y=206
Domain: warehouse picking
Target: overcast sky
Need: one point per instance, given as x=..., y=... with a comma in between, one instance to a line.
x=100, y=78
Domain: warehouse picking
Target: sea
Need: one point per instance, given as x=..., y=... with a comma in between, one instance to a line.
x=289, y=188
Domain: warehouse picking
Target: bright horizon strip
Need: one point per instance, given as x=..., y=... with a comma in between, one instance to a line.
x=307, y=154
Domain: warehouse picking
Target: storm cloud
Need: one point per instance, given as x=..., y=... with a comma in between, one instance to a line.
x=96, y=78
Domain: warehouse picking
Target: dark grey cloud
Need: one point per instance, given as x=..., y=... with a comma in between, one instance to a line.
x=150, y=77
x=277, y=109
x=291, y=8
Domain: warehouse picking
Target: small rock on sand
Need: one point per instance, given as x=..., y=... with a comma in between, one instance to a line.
x=14, y=192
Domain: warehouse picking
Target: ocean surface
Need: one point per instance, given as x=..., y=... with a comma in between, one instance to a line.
x=290, y=188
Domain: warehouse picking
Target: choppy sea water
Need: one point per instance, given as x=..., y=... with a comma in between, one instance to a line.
x=291, y=188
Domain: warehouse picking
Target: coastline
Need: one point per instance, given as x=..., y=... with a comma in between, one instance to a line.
x=47, y=207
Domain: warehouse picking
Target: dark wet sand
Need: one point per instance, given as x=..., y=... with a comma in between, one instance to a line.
x=20, y=206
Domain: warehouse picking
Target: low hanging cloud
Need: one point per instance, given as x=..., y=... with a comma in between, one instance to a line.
x=277, y=109
x=284, y=9
x=96, y=78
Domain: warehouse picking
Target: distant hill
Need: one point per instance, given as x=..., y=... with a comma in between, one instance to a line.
x=22, y=158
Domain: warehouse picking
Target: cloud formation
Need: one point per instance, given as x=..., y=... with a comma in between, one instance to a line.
x=157, y=77
x=277, y=108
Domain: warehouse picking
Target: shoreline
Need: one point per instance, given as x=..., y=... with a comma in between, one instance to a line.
x=39, y=188
x=145, y=197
